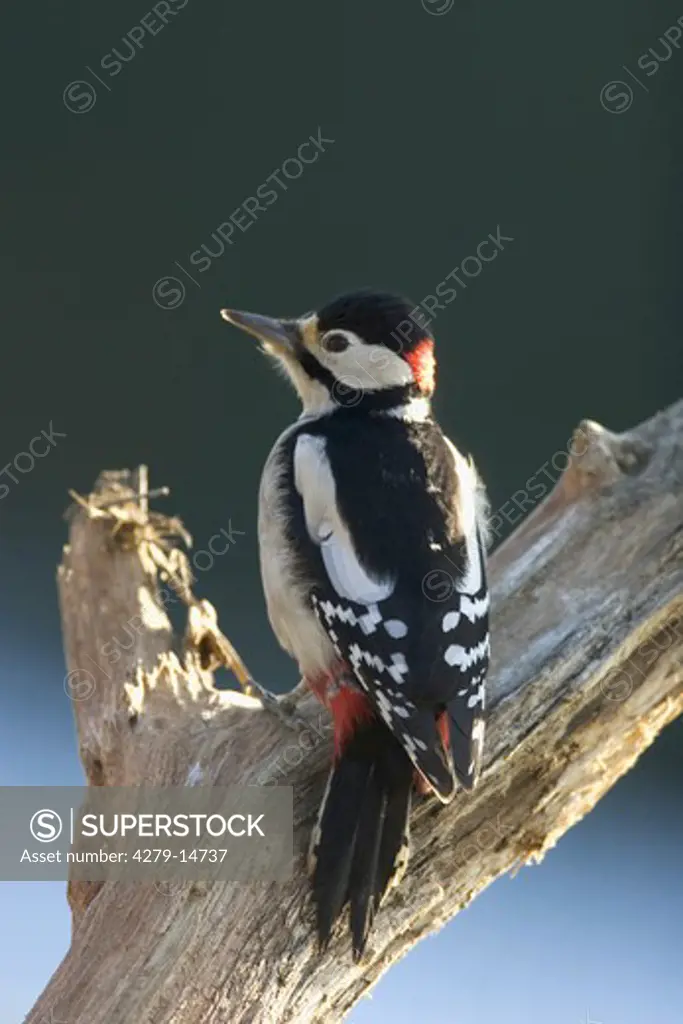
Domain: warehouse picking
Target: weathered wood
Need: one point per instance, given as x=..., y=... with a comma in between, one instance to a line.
x=588, y=652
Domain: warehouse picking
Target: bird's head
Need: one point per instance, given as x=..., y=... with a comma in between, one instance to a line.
x=362, y=350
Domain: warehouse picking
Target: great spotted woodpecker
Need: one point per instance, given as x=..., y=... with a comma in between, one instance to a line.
x=372, y=545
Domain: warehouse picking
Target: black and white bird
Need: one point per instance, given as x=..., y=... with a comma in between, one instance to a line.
x=372, y=541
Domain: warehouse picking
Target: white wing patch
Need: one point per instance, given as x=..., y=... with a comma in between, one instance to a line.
x=474, y=609
x=397, y=669
x=396, y=628
x=338, y=611
x=450, y=621
x=370, y=621
x=315, y=483
x=470, y=513
x=465, y=657
x=358, y=656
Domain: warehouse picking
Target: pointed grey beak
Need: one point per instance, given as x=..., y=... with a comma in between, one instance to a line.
x=281, y=335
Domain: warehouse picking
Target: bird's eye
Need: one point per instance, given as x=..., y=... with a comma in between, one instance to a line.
x=334, y=342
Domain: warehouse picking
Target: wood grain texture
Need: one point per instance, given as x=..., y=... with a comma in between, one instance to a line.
x=587, y=626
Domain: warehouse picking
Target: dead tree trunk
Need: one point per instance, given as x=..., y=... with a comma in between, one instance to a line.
x=588, y=649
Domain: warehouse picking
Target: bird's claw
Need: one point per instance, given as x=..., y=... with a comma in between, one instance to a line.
x=275, y=706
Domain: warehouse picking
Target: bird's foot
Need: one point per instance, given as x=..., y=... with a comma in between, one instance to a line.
x=275, y=705
x=269, y=702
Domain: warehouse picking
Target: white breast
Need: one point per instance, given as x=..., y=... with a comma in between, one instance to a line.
x=284, y=583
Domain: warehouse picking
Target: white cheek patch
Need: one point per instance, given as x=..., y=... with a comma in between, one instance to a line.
x=365, y=367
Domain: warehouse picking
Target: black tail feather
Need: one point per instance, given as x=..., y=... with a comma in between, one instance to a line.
x=334, y=855
x=362, y=827
x=394, y=845
x=363, y=880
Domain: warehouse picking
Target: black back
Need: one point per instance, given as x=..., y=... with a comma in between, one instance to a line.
x=397, y=490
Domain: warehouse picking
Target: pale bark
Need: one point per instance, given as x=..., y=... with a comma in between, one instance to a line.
x=588, y=648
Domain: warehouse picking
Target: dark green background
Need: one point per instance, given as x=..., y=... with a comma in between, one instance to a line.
x=445, y=128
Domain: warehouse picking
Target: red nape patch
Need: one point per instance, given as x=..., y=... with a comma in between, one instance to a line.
x=423, y=364
x=349, y=708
